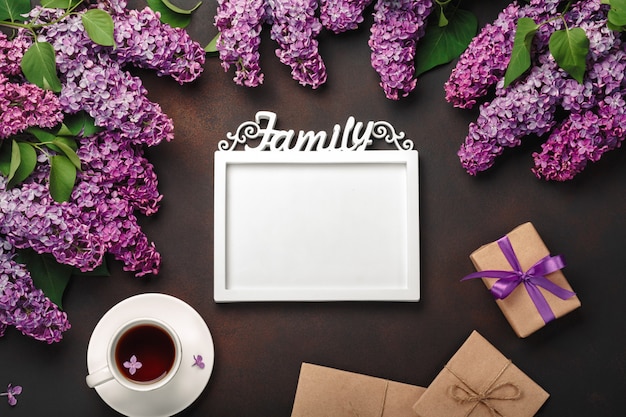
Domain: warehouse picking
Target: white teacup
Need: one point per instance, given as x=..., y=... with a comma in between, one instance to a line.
x=144, y=354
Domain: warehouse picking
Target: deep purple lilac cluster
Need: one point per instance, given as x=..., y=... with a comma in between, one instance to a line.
x=397, y=27
x=24, y=306
x=115, y=182
x=26, y=105
x=240, y=25
x=342, y=15
x=530, y=105
x=295, y=27
x=485, y=60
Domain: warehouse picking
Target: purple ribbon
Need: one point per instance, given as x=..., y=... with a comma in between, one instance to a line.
x=533, y=278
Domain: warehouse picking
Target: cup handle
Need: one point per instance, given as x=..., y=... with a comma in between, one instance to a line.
x=98, y=377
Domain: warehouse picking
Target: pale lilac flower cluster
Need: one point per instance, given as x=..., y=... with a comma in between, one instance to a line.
x=295, y=28
x=26, y=105
x=397, y=27
x=240, y=24
x=115, y=182
x=342, y=15
x=531, y=104
x=23, y=306
x=141, y=39
x=94, y=78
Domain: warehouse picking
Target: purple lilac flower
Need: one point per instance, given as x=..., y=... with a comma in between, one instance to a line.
x=198, y=361
x=397, y=27
x=26, y=105
x=342, y=15
x=586, y=135
x=25, y=307
x=525, y=109
x=141, y=39
x=11, y=53
x=528, y=106
x=132, y=365
x=11, y=393
x=115, y=181
x=94, y=79
x=485, y=60
x=239, y=23
x=295, y=28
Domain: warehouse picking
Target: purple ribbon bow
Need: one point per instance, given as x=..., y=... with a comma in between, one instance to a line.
x=534, y=277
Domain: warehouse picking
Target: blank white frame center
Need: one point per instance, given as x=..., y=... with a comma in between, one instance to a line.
x=316, y=226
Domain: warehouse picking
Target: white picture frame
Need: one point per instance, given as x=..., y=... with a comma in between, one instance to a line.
x=316, y=226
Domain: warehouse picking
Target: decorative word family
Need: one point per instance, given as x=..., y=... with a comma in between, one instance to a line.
x=355, y=136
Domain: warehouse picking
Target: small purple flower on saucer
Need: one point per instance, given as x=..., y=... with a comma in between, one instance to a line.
x=132, y=365
x=197, y=361
x=12, y=392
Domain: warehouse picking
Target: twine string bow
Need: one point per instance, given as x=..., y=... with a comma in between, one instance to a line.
x=465, y=394
x=532, y=278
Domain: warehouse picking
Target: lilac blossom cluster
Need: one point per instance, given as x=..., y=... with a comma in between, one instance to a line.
x=22, y=305
x=115, y=182
x=295, y=28
x=342, y=15
x=530, y=106
x=485, y=60
x=240, y=25
x=397, y=27
x=295, y=25
x=26, y=105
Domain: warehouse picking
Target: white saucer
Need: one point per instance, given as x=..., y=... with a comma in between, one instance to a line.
x=189, y=381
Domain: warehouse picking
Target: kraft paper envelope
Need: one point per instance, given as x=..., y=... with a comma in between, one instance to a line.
x=479, y=381
x=328, y=392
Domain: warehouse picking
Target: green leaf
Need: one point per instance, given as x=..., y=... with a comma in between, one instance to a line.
x=39, y=66
x=569, y=47
x=48, y=275
x=13, y=9
x=443, y=20
x=28, y=161
x=617, y=14
x=99, y=26
x=175, y=20
x=179, y=10
x=80, y=124
x=67, y=140
x=42, y=135
x=15, y=160
x=441, y=45
x=211, y=47
x=59, y=4
x=5, y=157
x=520, y=54
x=62, y=178
x=67, y=151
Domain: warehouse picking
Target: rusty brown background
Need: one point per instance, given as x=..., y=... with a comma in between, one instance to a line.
x=579, y=359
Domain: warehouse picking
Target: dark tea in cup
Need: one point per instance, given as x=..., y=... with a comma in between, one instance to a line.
x=145, y=353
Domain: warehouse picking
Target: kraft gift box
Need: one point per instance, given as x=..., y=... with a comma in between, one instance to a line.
x=328, y=392
x=519, y=308
x=478, y=381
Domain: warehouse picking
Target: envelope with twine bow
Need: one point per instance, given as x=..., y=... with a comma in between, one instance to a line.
x=525, y=279
x=328, y=392
x=479, y=381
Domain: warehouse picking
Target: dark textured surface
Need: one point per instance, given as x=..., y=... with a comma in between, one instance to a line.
x=579, y=359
